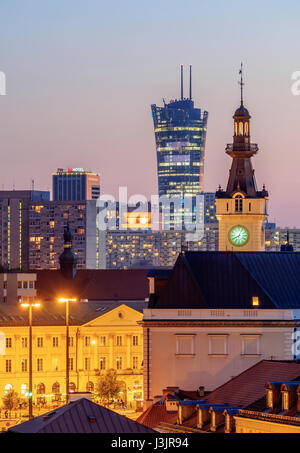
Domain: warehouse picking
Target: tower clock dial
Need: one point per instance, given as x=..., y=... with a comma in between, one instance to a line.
x=238, y=235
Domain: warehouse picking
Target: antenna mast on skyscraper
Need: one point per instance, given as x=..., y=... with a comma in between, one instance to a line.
x=190, y=82
x=182, y=82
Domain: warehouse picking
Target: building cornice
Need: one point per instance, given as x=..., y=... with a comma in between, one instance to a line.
x=218, y=323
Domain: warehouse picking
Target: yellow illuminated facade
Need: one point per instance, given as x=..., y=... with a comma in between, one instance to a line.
x=112, y=340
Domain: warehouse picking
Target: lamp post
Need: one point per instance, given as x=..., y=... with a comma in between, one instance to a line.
x=30, y=306
x=67, y=302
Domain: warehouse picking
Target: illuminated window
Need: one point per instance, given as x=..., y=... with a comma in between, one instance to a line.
x=119, y=363
x=24, y=365
x=39, y=364
x=255, y=301
x=135, y=361
x=102, y=363
x=8, y=366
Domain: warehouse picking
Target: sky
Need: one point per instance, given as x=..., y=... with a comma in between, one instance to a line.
x=81, y=76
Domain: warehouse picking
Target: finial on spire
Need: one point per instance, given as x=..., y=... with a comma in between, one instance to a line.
x=242, y=84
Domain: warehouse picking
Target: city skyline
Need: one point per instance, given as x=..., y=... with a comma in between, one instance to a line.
x=79, y=96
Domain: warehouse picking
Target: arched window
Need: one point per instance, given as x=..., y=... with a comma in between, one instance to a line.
x=241, y=131
x=72, y=387
x=56, y=387
x=90, y=387
x=41, y=390
x=246, y=128
x=239, y=203
x=235, y=128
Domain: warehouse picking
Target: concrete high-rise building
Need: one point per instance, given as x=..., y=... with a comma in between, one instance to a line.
x=46, y=233
x=75, y=184
x=14, y=226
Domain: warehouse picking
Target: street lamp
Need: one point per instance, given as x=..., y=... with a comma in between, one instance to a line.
x=67, y=301
x=30, y=306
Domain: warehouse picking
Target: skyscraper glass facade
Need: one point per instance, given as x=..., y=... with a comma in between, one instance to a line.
x=180, y=134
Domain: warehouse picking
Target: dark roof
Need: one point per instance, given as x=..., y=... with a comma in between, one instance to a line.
x=242, y=112
x=53, y=313
x=81, y=416
x=94, y=284
x=248, y=387
x=231, y=279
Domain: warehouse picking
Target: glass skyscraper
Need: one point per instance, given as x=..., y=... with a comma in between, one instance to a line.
x=180, y=135
x=75, y=184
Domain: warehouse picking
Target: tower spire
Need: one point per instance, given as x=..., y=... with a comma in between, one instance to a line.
x=241, y=83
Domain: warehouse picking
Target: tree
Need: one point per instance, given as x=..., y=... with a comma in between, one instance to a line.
x=108, y=387
x=11, y=401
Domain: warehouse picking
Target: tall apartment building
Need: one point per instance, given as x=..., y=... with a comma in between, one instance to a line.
x=75, y=184
x=14, y=226
x=47, y=222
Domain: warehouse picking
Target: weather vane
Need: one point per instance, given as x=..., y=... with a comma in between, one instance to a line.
x=241, y=83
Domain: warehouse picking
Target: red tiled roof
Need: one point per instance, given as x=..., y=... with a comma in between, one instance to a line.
x=131, y=284
x=249, y=386
x=156, y=414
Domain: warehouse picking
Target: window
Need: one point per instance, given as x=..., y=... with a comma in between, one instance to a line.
x=8, y=366
x=185, y=344
x=24, y=365
x=8, y=342
x=40, y=342
x=218, y=345
x=255, y=301
x=87, y=341
x=87, y=363
x=135, y=361
x=31, y=284
x=102, y=363
x=250, y=344
x=19, y=285
x=135, y=340
x=71, y=363
x=24, y=342
x=238, y=203
x=102, y=341
x=119, y=363
x=55, y=363
x=71, y=342
x=39, y=364
x=25, y=285
x=55, y=342
x=119, y=340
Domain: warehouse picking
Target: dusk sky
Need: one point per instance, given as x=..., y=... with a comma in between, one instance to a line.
x=82, y=75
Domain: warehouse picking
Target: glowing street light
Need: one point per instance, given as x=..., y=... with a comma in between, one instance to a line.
x=67, y=301
x=30, y=306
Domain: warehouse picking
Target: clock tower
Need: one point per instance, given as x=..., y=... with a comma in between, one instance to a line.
x=241, y=210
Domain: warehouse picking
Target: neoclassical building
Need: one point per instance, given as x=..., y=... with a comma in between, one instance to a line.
x=102, y=336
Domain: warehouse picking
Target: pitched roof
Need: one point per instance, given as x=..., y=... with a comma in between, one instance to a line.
x=94, y=284
x=231, y=279
x=156, y=414
x=81, y=416
x=52, y=313
x=249, y=387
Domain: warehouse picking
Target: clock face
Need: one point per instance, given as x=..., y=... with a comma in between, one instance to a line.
x=238, y=236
